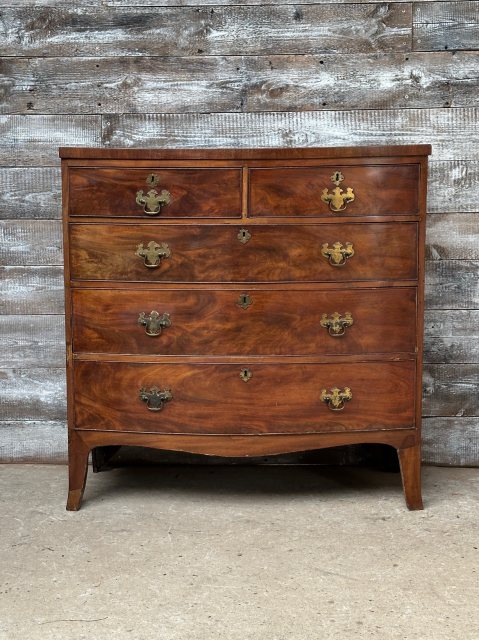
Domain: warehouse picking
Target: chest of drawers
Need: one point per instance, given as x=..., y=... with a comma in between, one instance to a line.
x=244, y=302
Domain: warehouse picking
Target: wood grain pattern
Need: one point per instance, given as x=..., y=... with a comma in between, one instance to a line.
x=25, y=290
x=214, y=254
x=445, y=25
x=31, y=193
x=452, y=284
x=276, y=400
x=32, y=341
x=194, y=192
x=100, y=85
x=453, y=237
x=378, y=190
x=450, y=131
x=452, y=336
x=33, y=394
x=451, y=183
x=451, y=441
x=173, y=31
x=451, y=390
x=31, y=243
x=276, y=323
x=33, y=441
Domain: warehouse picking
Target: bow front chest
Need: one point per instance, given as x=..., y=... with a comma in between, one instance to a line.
x=244, y=302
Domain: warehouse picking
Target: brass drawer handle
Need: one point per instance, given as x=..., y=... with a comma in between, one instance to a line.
x=336, y=324
x=338, y=199
x=152, y=201
x=336, y=398
x=337, y=254
x=153, y=254
x=154, y=398
x=154, y=323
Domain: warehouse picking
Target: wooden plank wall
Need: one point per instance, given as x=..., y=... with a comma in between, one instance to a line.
x=180, y=73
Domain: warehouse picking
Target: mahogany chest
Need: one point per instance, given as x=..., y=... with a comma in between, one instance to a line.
x=244, y=302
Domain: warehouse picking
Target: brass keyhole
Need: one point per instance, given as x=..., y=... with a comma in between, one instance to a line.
x=244, y=301
x=243, y=236
x=245, y=375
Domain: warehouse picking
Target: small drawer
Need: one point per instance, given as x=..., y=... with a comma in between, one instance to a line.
x=230, y=253
x=150, y=193
x=366, y=190
x=244, y=399
x=244, y=322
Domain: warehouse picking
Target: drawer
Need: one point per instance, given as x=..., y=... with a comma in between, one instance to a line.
x=278, y=398
x=192, y=192
x=216, y=253
x=378, y=190
x=206, y=322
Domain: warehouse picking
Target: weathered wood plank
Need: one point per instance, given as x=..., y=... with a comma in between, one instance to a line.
x=33, y=441
x=445, y=25
x=31, y=242
x=32, y=394
x=219, y=30
x=452, y=184
x=237, y=83
x=451, y=336
x=31, y=290
x=451, y=390
x=32, y=341
x=451, y=441
x=452, y=132
x=452, y=284
x=34, y=140
x=453, y=236
x=34, y=192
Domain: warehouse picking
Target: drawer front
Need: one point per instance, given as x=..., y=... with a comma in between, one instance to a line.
x=278, y=398
x=213, y=253
x=242, y=322
x=298, y=191
x=192, y=192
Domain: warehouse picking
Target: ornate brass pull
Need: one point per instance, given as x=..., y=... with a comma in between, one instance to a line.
x=336, y=399
x=245, y=375
x=244, y=301
x=154, y=398
x=337, y=200
x=153, y=254
x=154, y=323
x=337, y=254
x=152, y=201
x=336, y=324
x=243, y=236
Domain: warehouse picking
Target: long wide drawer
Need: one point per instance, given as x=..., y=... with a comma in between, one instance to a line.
x=232, y=253
x=244, y=322
x=108, y=192
x=251, y=398
x=366, y=190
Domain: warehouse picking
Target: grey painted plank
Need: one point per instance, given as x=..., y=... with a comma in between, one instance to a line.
x=31, y=242
x=452, y=186
x=219, y=30
x=452, y=132
x=453, y=236
x=451, y=390
x=448, y=350
x=31, y=290
x=452, y=284
x=34, y=140
x=237, y=83
x=33, y=441
x=32, y=341
x=451, y=441
x=32, y=394
x=445, y=25
x=33, y=192
x=451, y=336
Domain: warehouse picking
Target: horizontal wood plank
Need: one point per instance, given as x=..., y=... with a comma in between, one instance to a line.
x=450, y=131
x=219, y=30
x=452, y=236
x=31, y=242
x=452, y=284
x=450, y=441
x=451, y=183
x=33, y=394
x=451, y=390
x=33, y=441
x=445, y=25
x=237, y=83
x=451, y=336
x=32, y=341
x=32, y=193
x=34, y=140
x=31, y=290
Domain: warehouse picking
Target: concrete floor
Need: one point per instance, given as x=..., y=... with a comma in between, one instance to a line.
x=238, y=553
